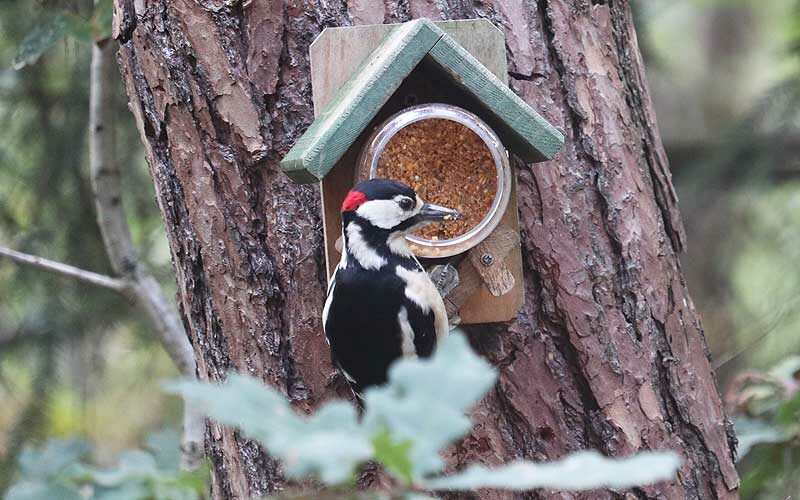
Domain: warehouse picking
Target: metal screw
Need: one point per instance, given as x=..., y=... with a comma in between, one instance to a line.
x=487, y=259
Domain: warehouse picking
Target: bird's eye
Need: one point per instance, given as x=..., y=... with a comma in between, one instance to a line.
x=406, y=204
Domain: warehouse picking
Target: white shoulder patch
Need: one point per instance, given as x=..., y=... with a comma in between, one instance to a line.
x=421, y=290
x=407, y=333
x=360, y=250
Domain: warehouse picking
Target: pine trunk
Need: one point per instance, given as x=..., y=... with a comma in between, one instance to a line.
x=608, y=351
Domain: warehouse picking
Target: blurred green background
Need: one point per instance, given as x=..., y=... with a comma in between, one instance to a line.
x=76, y=360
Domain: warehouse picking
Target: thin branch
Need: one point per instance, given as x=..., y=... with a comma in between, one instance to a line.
x=90, y=277
x=111, y=218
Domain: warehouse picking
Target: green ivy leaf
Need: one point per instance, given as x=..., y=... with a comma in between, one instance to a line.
x=330, y=444
x=583, y=470
x=394, y=456
x=425, y=401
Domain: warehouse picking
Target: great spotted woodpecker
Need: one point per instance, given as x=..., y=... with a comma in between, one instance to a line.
x=381, y=304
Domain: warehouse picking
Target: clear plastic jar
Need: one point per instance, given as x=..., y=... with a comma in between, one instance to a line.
x=371, y=153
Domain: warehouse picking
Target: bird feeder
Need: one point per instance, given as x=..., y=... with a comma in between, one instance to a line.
x=373, y=85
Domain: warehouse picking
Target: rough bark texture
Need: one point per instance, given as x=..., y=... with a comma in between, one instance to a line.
x=608, y=351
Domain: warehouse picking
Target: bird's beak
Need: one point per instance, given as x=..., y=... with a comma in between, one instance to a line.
x=431, y=213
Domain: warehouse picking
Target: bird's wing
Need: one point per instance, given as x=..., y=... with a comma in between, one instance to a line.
x=351, y=381
x=425, y=309
x=361, y=324
x=327, y=308
x=440, y=317
x=329, y=296
x=418, y=327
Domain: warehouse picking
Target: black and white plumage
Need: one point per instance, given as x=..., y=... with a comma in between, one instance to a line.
x=381, y=304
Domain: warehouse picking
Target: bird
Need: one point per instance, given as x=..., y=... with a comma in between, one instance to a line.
x=381, y=305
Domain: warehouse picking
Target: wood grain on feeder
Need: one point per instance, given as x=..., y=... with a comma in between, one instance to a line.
x=489, y=259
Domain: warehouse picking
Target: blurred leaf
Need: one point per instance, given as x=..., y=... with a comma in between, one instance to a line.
x=407, y=421
x=133, y=465
x=788, y=412
x=330, y=444
x=425, y=401
x=173, y=491
x=579, y=471
x=126, y=491
x=102, y=19
x=410, y=419
x=394, y=456
x=193, y=480
x=751, y=431
x=137, y=476
x=52, y=459
x=787, y=369
x=8, y=79
x=38, y=490
x=335, y=494
x=77, y=27
x=39, y=40
x=55, y=26
x=165, y=445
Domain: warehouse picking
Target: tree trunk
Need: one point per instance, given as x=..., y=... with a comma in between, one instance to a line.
x=608, y=351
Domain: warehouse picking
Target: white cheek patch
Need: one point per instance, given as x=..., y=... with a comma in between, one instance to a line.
x=384, y=214
x=360, y=250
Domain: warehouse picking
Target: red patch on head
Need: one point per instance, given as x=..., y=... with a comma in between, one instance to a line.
x=353, y=200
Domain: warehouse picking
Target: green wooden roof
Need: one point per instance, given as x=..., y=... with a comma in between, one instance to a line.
x=521, y=128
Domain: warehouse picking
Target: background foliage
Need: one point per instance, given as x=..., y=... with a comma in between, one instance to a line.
x=76, y=361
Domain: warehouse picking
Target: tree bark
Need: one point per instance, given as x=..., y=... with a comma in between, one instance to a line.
x=608, y=351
